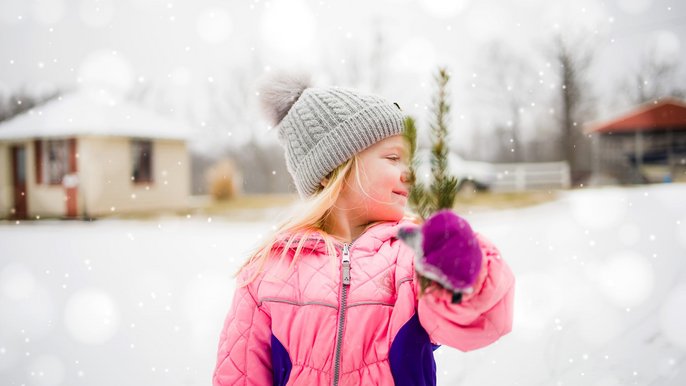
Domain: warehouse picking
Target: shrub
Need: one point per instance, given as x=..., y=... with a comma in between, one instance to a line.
x=224, y=180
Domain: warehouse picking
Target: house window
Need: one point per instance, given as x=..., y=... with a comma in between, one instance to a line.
x=141, y=160
x=56, y=160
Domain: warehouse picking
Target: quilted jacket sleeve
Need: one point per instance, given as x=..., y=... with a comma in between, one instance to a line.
x=244, y=353
x=482, y=317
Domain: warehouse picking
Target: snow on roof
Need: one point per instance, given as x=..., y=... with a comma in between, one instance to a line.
x=90, y=112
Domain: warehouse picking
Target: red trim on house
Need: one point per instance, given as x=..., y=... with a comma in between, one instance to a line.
x=38, y=157
x=72, y=192
x=666, y=114
x=72, y=155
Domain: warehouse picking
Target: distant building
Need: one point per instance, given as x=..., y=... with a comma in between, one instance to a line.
x=88, y=154
x=646, y=144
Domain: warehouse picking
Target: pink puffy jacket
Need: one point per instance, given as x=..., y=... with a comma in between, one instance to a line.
x=306, y=327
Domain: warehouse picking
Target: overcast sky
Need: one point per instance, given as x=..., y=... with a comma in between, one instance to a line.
x=184, y=45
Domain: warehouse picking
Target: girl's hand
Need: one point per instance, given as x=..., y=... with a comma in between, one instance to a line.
x=446, y=252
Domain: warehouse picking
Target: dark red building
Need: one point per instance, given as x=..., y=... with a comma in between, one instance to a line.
x=647, y=144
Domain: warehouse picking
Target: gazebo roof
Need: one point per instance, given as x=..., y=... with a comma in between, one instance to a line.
x=665, y=114
x=90, y=112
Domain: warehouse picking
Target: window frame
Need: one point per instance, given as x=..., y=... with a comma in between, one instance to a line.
x=137, y=157
x=46, y=168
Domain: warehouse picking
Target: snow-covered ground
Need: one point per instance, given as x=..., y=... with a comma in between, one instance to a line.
x=600, y=296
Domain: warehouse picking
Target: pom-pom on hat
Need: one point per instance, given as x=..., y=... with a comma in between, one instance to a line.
x=322, y=127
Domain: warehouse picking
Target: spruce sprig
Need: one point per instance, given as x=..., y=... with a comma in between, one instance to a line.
x=418, y=197
x=444, y=186
x=443, y=189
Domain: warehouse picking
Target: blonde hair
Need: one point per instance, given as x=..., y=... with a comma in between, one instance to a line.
x=307, y=217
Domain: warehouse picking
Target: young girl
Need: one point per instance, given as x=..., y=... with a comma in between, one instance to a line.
x=332, y=298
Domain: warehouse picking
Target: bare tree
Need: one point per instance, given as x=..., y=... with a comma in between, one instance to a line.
x=352, y=63
x=263, y=167
x=19, y=101
x=654, y=79
x=573, y=59
x=506, y=84
x=377, y=62
x=225, y=110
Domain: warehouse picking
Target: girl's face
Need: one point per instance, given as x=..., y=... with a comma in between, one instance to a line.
x=381, y=193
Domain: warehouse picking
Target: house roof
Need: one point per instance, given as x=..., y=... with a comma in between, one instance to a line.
x=665, y=114
x=90, y=112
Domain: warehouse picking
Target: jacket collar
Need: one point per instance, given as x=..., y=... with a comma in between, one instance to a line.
x=371, y=238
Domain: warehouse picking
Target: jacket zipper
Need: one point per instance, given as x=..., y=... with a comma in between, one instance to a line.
x=345, y=283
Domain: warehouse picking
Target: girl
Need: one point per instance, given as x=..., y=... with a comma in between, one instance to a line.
x=332, y=298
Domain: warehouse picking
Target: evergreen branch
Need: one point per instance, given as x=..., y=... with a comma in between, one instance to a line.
x=442, y=191
x=411, y=135
x=444, y=186
x=417, y=197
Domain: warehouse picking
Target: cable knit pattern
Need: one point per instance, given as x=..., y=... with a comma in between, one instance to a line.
x=327, y=126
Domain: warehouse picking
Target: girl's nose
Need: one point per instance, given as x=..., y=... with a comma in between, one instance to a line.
x=405, y=176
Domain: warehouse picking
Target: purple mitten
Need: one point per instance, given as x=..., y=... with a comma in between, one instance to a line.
x=450, y=253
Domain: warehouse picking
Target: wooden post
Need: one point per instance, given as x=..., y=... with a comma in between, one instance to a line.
x=670, y=154
x=638, y=137
x=595, y=154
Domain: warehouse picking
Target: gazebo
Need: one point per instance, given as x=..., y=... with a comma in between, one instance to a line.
x=646, y=144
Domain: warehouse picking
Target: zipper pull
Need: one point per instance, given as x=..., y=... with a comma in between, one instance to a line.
x=346, y=265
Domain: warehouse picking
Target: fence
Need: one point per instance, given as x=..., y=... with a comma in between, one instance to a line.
x=530, y=176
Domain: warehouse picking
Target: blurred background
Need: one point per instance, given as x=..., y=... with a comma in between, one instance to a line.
x=138, y=121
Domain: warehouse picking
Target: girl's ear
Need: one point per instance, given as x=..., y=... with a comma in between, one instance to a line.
x=325, y=181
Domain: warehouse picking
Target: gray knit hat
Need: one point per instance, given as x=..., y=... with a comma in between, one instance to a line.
x=322, y=127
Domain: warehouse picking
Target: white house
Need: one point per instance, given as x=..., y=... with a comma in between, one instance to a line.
x=88, y=154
